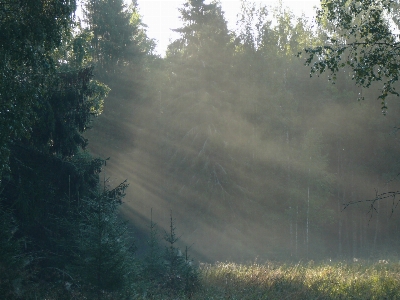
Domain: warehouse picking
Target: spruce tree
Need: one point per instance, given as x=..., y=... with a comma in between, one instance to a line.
x=153, y=265
x=49, y=172
x=180, y=276
x=30, y=31
x=116, y=31
x=102, y=256
x=12, y=258
x=199, y=89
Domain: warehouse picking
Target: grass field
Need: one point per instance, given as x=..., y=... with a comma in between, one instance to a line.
x=359, y=280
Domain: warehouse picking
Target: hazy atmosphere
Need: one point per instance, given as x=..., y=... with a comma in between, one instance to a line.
x=199, y=149
x=254, y=158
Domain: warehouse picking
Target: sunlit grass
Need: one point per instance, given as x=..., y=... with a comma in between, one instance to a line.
x=299, y=281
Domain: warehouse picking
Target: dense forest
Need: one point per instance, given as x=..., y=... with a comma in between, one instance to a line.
x=230, y=150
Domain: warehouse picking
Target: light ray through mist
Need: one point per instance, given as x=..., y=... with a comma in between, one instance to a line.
x=253, y=158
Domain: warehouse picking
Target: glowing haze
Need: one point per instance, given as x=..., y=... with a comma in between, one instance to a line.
x=253, y=158
x=162, y=15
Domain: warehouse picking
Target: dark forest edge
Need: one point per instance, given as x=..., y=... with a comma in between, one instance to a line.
x=61, y=234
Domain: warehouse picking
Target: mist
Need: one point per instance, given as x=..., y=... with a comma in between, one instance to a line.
x=253, y=158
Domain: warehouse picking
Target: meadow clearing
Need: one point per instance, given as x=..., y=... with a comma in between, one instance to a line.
x=328, y=280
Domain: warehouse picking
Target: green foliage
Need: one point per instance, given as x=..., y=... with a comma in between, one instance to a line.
x=360, y=36
x=232, y=124
x=153, y=263
x=70, y=110
x=204, y=29
x=48, y=170
x=169, y=272
x=102, y=255
x=180, y=276
x=51, y=183
x=117, y=38
x=30, y=32
x=11, y=257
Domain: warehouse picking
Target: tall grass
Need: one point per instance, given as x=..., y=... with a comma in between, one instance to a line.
x=299, y=281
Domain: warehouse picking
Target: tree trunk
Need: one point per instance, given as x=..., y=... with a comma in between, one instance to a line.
x=308, y=220
x=338, y=206
x=374, y=250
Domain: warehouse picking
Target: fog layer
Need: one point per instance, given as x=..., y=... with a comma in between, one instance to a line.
x=254, y=158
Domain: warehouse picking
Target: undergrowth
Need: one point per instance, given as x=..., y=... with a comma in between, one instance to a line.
x=359, y=280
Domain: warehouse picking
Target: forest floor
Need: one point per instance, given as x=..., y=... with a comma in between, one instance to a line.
x=358, y=280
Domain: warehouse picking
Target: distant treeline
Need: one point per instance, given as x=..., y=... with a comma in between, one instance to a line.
x=227, y=131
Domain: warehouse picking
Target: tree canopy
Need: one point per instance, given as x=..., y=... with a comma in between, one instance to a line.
x=360, y=35
x=29, y=33
x=226, y=130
